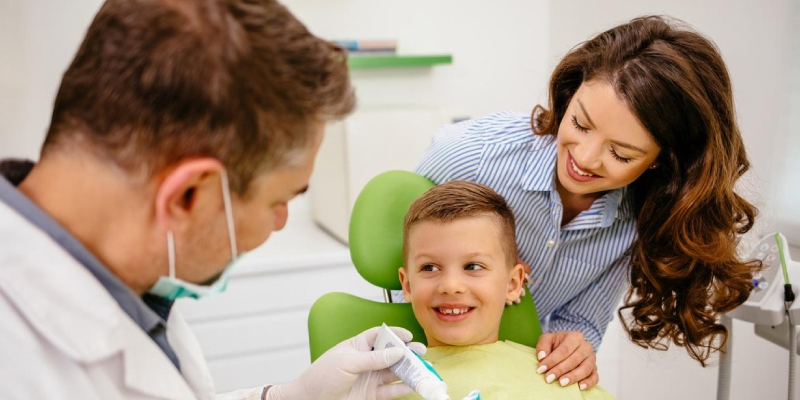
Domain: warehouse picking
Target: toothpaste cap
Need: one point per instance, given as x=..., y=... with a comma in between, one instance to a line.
x=433, y=390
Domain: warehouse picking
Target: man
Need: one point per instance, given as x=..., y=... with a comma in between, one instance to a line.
x=180, y=131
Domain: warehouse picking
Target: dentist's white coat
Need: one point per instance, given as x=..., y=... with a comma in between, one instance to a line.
x=62, y=335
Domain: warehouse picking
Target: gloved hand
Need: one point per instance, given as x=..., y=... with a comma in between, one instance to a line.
x=333, y=375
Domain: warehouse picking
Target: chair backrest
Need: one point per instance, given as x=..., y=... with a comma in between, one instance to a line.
x=376, y=225
x=376, y=248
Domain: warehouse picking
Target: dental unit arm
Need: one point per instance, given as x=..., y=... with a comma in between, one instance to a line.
x=770, y=307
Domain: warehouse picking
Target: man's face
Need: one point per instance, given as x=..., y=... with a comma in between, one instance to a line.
x=263, y=210
x=457, y=279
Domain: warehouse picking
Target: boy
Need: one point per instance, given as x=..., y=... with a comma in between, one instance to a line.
x=460, y=269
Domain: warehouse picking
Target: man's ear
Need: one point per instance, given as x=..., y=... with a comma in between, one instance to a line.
x=404, y=282
x=186, y=188
x=515, y=281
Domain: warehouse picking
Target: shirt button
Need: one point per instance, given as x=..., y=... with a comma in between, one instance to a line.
x=551, y=243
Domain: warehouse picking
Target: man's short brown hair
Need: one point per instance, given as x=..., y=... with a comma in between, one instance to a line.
x=157, y=81
x=456, y=200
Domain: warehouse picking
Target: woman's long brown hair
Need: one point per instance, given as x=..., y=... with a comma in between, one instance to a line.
x=684, y=265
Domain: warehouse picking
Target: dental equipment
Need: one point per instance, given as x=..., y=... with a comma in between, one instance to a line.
x=771, y=307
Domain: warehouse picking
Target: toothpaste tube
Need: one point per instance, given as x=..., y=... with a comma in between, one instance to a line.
x=412, y=369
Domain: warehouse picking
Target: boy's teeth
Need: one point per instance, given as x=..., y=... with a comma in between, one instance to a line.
x=576, y=169
x=453, y=311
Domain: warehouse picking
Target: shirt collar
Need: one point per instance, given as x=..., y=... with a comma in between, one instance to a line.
x=132, y=304
x=617, y=206
x=540, y=173
x=625, y=204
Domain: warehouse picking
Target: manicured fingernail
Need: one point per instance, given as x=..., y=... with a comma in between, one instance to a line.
x=550, y=378
x=541, y=355
x=583, y=386
x=541, y=369
x=564, y=381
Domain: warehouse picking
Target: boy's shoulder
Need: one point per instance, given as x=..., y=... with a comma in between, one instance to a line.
x=507, y=352
x=514, y=346
x=505, y=364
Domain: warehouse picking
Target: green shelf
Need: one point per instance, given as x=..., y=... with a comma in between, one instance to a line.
x=396, y=61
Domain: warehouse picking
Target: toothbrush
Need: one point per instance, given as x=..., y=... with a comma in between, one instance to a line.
x=473, y=395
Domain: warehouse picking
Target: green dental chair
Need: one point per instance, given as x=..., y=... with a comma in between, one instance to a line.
x=376, y=245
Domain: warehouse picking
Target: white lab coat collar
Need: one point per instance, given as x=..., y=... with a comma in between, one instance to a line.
x=43, y=281
x=193, y=364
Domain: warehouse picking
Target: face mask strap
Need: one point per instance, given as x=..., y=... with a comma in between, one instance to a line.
x=172, y=288
x=171, y=253
x=226, y=199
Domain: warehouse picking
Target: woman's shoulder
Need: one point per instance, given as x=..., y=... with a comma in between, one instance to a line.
x=503, y=127
x=506, y=127
x=459, y=151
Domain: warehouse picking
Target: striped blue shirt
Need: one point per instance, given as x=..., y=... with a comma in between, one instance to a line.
x=579, y=270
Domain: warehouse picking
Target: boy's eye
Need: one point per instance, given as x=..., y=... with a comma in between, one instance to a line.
x=429, y=268
x=473, y=267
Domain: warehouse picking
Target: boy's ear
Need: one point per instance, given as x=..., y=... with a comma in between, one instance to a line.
x=403, y=274
x=515, y=281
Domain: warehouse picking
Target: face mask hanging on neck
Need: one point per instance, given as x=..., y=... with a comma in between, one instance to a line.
x=172, y=288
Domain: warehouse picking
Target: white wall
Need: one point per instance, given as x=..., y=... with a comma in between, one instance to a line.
x=37, y=42
x=787, y=163
x=755, y=39
x=503, y=53
x=498, y=62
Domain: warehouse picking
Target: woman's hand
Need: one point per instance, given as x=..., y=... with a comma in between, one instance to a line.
x=567, y=357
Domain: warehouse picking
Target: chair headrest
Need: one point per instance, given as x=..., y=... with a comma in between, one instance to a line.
x=376, y=225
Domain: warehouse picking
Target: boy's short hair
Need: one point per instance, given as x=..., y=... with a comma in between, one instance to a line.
x=157, y=81
x=456, y=200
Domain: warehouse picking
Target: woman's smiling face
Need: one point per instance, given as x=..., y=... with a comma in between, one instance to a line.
x=602, y=146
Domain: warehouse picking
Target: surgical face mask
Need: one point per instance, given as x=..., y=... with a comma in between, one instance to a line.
x=171, y=288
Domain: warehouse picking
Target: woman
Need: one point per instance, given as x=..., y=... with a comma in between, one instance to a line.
x=627, y=175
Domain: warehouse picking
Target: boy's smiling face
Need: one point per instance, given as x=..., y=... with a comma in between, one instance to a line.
x=458, y=278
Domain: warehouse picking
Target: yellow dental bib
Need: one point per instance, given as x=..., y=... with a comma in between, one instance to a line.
x=501, y=371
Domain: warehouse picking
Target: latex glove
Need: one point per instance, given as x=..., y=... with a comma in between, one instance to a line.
x=334, y=374
x=566, y=357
